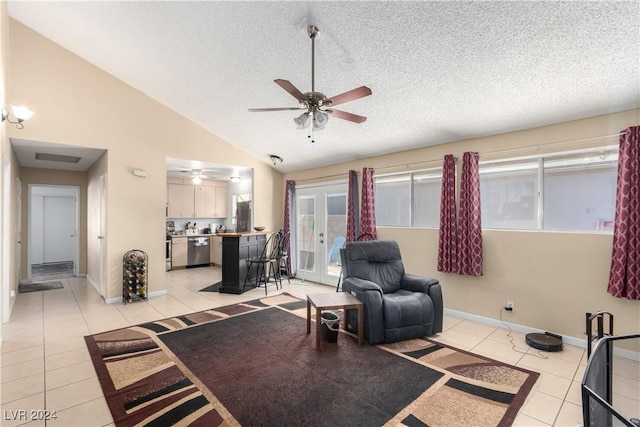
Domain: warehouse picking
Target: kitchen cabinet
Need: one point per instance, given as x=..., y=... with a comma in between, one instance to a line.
x=221, y=197
x=216, y=249
x=178, y=252
x=180, y=199
x=207, y=200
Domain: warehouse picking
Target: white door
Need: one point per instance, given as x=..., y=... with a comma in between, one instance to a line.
x=7, y=242
x=321, y=229
x=101, y=237
x=59, y=229
x=18, y=230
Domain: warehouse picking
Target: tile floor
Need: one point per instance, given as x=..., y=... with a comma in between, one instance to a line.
x=46, y=366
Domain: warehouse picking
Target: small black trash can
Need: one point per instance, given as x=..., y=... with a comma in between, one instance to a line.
x=330, y=326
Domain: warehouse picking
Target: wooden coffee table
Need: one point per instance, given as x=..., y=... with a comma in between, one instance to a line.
x=333, y=301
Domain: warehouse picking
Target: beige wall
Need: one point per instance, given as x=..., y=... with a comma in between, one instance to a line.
x=78, y=104
x=553, y=278
x=31, y=176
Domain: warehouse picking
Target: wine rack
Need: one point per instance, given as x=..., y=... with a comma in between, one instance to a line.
x=134, y=276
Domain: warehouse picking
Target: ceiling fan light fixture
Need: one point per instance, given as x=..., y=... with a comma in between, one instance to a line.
x=319, y=120
x=301, y=120
x=195, y=176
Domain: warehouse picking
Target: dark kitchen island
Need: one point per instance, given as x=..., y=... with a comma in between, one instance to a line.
x=236, y=248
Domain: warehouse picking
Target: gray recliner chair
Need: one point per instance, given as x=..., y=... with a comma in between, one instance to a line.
x=397, y=305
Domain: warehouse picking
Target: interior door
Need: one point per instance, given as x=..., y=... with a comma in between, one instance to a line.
x=59, y=229
x=18, y=213
x=321, y=229
x=102, y=269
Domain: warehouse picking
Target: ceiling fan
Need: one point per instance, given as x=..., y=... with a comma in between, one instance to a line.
x=317, y=107
x=196, y=175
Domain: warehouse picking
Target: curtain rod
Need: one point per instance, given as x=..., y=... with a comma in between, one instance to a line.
x=549, y=144
x=407, y=165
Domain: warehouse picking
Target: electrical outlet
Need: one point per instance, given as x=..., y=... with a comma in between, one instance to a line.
x=509, y=306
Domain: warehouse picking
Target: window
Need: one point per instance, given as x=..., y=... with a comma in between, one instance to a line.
x=426, y=199
x=393, y=200
x=563, y=192
x=580, y=194
x=408, y=199
x=509, y=193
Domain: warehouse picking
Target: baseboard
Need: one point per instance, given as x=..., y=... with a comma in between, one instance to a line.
x=93, y=284
x=153, y=294
x=159, y=293
x=566, y=339
x=113, y=300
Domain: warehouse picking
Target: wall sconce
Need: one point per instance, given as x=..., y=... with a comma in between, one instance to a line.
x=276, y=160
x=234, y=179
x=19, y=113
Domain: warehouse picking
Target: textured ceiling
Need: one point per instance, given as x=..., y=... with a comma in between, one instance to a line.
x=439, y=71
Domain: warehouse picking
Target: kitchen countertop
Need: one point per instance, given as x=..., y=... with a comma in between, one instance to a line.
x=246, y=233
x=179, y=236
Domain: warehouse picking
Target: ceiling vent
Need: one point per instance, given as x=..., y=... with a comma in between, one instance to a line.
x=57, y=158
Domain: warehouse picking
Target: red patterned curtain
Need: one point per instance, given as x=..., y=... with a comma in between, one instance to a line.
x=624, y=276
x=368, y=213
x=470, y=228
x=289, y=211
x=353, y=225
x=447, y=242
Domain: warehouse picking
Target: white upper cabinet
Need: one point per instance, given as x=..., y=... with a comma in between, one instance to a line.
x=206, y=200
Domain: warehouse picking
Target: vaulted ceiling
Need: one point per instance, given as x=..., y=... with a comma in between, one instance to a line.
x=439, y=71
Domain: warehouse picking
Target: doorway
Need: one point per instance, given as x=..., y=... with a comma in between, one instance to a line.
x=321, y=225
x=53, y=236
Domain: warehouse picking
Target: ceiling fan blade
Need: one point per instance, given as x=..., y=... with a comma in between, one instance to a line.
x=351, y=95
x=289, y=87
x=257, y=110
x=346, y=116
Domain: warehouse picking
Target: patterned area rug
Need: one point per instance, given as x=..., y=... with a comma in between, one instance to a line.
x=253, y=364
x=35, y=287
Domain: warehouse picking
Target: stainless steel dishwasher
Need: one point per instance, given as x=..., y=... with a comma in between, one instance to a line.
x=197, y=251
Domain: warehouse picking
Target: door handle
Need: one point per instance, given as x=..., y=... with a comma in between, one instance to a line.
x=100, y=237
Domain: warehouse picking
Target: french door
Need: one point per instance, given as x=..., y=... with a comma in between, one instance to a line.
x=321, y=230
